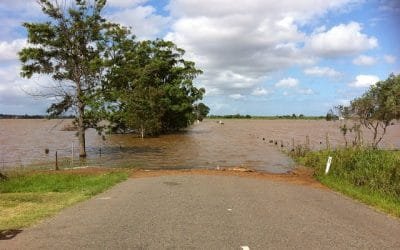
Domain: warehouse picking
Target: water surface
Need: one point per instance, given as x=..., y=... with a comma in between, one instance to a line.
x=205, y=145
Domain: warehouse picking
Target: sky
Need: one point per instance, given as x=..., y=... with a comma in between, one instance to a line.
x=259, y=57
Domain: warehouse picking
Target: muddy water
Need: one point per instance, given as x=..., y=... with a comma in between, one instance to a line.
x=204, y=145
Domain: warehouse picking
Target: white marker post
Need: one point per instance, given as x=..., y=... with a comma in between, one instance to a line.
x=328, y=164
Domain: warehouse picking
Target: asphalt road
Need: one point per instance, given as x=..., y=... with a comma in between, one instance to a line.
x=213, y=212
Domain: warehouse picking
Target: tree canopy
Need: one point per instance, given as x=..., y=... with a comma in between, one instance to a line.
x=376, y=108
x=68, y=47
x=101, y=72
x=150, y=86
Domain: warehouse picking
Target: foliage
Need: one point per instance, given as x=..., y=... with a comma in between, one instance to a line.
x=331, y=116
x=201, y=110
x=377, y=108
x=150, y=86
x=68, y=47
x=101, y=72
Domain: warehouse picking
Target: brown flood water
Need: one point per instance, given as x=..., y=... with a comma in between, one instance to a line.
x=205, y=145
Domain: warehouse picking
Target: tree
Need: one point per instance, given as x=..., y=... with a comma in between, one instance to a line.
x=378, y=107
x=331, y=116
x=151, y=85
x=201, y=111
x=69, y=48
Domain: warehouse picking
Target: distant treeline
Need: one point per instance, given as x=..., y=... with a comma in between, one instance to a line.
x=8, y=116
x=239, y=116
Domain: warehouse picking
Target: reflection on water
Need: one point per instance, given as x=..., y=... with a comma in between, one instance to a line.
x=204, y=145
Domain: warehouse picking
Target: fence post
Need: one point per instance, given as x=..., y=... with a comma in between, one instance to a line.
x=57, y=161
x=308, y=142
x=293, y=143
x=72, y=154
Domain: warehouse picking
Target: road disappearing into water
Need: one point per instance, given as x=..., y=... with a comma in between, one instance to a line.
x=213, y=212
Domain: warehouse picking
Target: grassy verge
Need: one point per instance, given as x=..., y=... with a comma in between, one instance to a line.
x=28, y=197
x=370, y=176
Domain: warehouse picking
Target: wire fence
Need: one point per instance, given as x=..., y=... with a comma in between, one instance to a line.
x=67, y=157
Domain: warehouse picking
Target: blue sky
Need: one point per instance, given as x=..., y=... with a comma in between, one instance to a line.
x=259, y=57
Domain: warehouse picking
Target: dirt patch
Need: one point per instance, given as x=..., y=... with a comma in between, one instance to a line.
x=299, y=176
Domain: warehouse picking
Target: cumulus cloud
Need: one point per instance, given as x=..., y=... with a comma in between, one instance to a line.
x=321, y=71
x=237, y=96
x=125, y=3
x=364, y=60
x=250, y=39
x=305, y=91
x=144, y=21
x=287, y=83
x=363, y=81
x=9, y=50
x=260, y=92
x=389, y=59
x=341, y=40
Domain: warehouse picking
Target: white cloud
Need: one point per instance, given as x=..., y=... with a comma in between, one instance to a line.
x=364, y=60
x=321, y=71
x=125, y=3
x=250, y=39
x=287, y=83
x=9, y=50
x=237, y=96
x=306, y=91
x=389, y=59
x=363, y=81
x=341, y=40
x=260, y=92
x=144, y=21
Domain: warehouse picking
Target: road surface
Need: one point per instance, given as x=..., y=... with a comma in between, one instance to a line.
x=213, y=212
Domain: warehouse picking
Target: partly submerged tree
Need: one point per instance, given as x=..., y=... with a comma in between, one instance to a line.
x=149, y=86
x=68, y=47
x=377, y=108
x=201, y=110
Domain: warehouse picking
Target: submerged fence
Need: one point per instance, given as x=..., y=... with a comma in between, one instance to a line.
x=67, y=157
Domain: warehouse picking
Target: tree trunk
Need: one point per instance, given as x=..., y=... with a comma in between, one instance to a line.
x=375, y=143
x=81, y=129
x=81, y=137
x=142, y=131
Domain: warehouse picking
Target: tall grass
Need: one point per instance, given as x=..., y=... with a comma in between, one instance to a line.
x=372, y=176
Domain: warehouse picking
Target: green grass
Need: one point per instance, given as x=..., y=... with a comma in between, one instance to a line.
x=29, y=197
x=370, y=176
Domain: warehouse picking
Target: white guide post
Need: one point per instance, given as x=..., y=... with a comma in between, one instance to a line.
x=328, y=164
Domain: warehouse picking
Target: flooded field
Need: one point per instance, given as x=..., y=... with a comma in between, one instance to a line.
x=205, y=145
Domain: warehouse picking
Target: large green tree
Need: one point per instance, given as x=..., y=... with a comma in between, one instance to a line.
x=68, y=47
x=150, y=86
